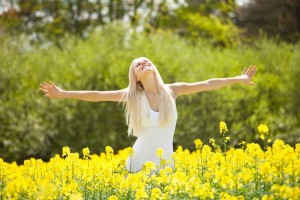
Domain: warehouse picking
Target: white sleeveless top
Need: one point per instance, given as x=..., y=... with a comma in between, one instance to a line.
x=151, y=137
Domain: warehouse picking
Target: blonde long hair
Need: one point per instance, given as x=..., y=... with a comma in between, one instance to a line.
x=135, y=99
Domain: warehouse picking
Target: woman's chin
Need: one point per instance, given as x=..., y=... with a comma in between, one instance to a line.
x=148, y=69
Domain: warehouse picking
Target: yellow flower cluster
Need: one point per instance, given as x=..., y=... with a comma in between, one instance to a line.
x=263, y=130
x=223, y=128
x=245, y=173
x=198, y=143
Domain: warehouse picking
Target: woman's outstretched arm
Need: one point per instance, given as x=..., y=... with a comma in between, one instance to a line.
x=182, y=88
x=53, y=91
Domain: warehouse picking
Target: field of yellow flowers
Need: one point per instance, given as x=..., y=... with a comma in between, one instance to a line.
x=209, y=172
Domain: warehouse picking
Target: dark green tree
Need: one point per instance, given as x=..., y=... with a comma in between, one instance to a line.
x=46, y=20
x=274, y=17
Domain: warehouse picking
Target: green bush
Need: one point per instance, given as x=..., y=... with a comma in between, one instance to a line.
x=32, y=125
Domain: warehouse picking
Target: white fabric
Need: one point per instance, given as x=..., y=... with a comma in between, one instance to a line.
x=152, y=137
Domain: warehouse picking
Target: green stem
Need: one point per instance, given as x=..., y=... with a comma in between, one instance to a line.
x=236, y=180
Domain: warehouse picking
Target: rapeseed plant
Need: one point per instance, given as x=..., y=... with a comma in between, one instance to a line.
x=248, y=172
x=263, y=131
x=86, y=153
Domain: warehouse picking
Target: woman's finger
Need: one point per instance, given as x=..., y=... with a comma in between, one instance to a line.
x=43, y=84
x=244, y=70
x=52, y=84
x=46, y=84
x=247, y=70
x=250, y=69
x=44, y=90
x=253, y=72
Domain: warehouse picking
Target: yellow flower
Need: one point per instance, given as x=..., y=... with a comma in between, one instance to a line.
x=141, y=194
x=113, y=197
x=159, y=152
x=263, y=129
x=212, y=141
x=155, y=193
x=262, y=136
x=267, y=197
x=65, y=151
x=265, y=168
x=198, y=143
x=131, y=152
x=168, y=170
x=74, y=156
x=149, y=165
x=223, y=128
x=269, y=140
x=227, y=139
x=77, y=196
x=109, y=150
x=86, y=152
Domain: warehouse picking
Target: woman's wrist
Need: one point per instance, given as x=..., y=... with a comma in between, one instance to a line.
x=242, y=78
x=63, y=94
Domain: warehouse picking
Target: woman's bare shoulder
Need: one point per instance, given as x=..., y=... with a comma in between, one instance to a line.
x=172, y=89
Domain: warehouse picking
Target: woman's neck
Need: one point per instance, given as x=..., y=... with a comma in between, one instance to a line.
x=150, y=85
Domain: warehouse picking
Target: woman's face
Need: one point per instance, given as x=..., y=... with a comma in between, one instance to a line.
x=143, y=67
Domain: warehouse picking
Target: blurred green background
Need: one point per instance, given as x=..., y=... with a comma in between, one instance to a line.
x=89, y=45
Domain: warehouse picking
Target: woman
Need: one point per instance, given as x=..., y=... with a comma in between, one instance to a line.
x=149, y=106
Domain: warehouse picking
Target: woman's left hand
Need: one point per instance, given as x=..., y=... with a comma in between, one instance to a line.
x=247, y=75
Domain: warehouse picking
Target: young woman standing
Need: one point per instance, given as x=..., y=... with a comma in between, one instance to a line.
x=150, y=106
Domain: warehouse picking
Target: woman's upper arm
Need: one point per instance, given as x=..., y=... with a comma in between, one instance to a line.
x=182, y=88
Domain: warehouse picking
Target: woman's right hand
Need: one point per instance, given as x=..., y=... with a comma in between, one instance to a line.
x=51, y=90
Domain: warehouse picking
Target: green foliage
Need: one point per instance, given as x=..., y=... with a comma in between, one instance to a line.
x=206, y=19
x=211, y=27
x=32, y=125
